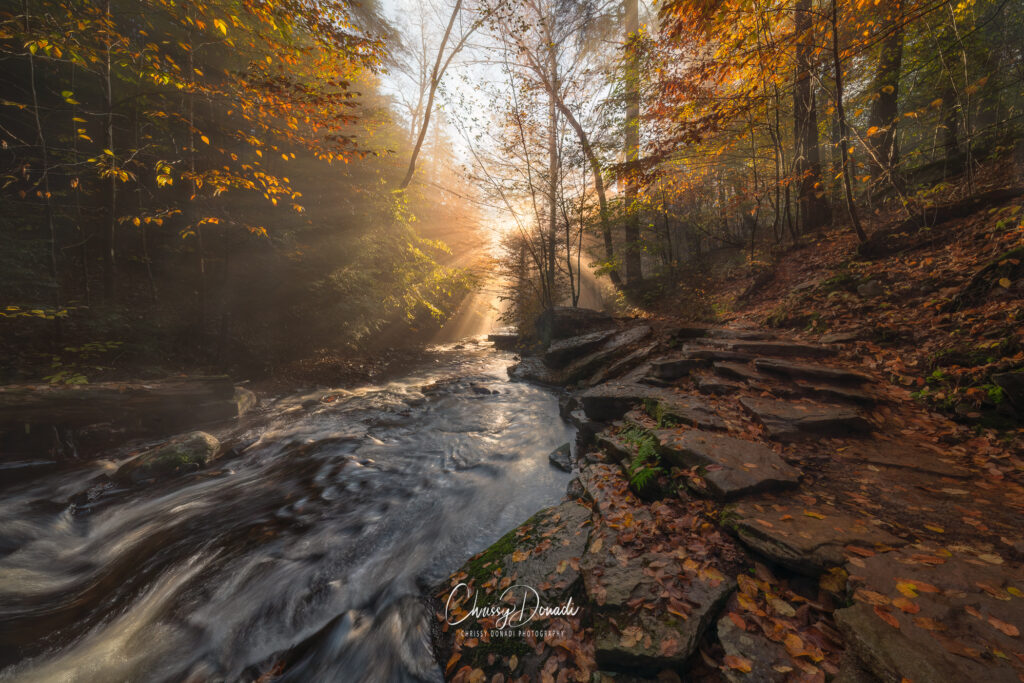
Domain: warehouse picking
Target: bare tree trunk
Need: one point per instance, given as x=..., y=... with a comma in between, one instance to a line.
x=814, y=209
x=45, y=182
x=844, y=139
x=435, y=79
x=634, y=271
x=552, y=168
x=110, y=234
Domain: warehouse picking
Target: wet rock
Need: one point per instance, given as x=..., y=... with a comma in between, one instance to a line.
x=533, y=369
x=617, y=448
x=561, y=457
x=481, y=389
x=567, y=403
x=504, y=340
x=806, y=539
x=811, y=371
x=712, y=354
x=730, y=467
x=561, y=322
x=182, y=454
x=790, y=421
x=763, y=654
x=245, y=400
x=574, y=490
x=852, y=670
x=563, y=351
x=957, y=616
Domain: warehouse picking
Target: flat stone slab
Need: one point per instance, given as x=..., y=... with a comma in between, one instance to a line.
x=835, y=392
x=613, y=400
x=534, y=369
x=716, y=386
x=670, y=408
x=504, y=340
x=782, y=348
x=807, y=539
x=649, y=608
x=811, y=371
x=623, y=364
x=673, y=368
x=563, y=351
x=905, y=456
x=713, y=354
x=730, y=467
x=764, y=656
x=791, y=421
x=697, y=332
x=740, y=371
x=932, y=618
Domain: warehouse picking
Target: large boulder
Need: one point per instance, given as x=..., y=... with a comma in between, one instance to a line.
x=561, y=322
x=182, y=454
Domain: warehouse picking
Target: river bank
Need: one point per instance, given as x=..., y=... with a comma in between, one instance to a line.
x=749, y=505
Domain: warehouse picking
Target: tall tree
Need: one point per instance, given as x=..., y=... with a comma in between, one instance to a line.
x=885, y=90
x=631, y=26
x=814, y=208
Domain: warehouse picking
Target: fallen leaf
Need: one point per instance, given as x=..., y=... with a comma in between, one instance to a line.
x=908, y=606
x=887, y=617
x=812, y=513
x=1008, y=629
x=739, y=663
x=513, y=662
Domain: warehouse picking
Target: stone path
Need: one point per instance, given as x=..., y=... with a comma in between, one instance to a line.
x=752, y=508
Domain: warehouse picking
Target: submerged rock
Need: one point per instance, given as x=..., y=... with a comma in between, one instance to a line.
x=182, y=454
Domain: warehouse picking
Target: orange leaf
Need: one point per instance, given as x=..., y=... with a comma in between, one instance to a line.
x=907, y=606
x=1008, y=629
x=739, y=663
x=885, y=616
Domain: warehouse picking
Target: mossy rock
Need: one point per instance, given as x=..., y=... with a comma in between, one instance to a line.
x=186, y=453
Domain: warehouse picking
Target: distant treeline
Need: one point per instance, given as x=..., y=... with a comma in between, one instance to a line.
x=201, y=183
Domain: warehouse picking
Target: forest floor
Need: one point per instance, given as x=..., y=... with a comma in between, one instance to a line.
x=836, y=469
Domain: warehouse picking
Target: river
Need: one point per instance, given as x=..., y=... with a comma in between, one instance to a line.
x=308, y=553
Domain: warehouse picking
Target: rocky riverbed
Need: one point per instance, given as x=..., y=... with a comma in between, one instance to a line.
x=745, y=507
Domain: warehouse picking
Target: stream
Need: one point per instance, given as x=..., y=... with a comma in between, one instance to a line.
x=312, y=548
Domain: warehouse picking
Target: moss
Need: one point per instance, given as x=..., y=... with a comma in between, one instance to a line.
x=482, y=566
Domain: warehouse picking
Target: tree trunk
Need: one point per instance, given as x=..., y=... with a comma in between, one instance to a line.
x=844, y=136
x=552, y=169
x=110, y=233
x=634, y=272
x=884, y=115
x=814, y=209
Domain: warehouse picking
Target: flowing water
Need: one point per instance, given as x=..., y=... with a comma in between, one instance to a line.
x=312, y=548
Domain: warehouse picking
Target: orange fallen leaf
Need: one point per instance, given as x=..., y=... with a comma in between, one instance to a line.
x=739, y=663
x=886, y=616
x=908, y=606
x=1008, y=629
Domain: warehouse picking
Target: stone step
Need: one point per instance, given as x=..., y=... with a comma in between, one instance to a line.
x=716, y=386
x=673, y=368
x=698, y=332
x=729, y=466
x=622, y=365
x=670, y=408
x=781, y=348
x=791, y=421
x=563, y=351
x=740, y=371
x=811, y=371
x=534, y=369
x=808, y=539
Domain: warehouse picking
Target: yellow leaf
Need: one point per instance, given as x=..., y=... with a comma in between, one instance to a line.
x=739, y=663
x=906, y=589
x=812, y=513
x=1004, y=282
x=221, y=25
x=513, y=662
x=204, y=139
